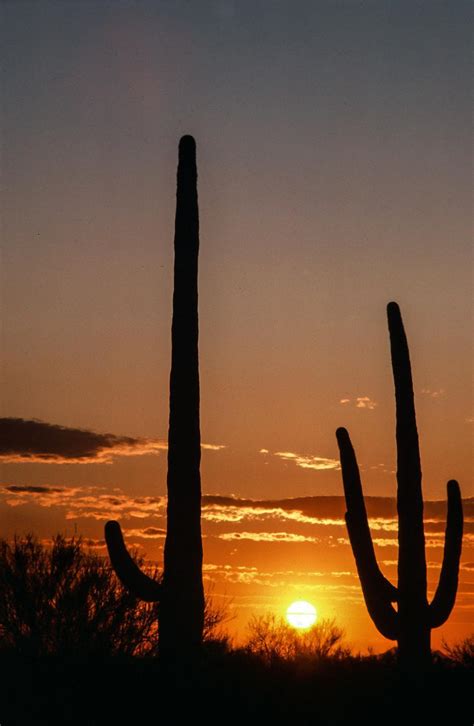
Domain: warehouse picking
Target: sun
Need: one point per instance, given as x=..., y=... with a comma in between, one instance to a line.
x=301, y=614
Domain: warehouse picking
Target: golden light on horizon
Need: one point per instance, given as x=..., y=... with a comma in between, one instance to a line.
x=301, y=614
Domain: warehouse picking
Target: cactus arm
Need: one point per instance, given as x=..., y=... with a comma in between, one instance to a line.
x=378, y=605
x=357, y=512
x=139, y=584
x=412, y=559
x=378, y=591
x=445, y=595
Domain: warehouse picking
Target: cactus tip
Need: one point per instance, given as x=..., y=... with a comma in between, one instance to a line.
x=187, y=144
x=393, y=308
x=112, y=527
x=453, y=486
x=341, y=433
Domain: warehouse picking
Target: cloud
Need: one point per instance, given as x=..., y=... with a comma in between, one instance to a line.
x=320, y=509
x=264, y=451
x=32, y=490
x=365, y=402
x=228, y=512
x=309, y=462
x=360, y=402
x=86, y=502
x=36, y=441
x=146, y=533
x=243, y=574
x=329, y=512
x=99, y=503
x=380, y=541
x=430, y=542
x=433, y=393
x=287, y=581
x=268, y=537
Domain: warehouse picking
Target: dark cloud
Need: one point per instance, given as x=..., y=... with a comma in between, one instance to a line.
x=152, y=531
x=146, y=533
x=38, y=441
x=32, y=490
x=332, y=507
x=433, y=527
x=89, y=502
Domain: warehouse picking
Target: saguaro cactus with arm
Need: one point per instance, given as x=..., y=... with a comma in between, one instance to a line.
x=411, y=623
x=181, y=595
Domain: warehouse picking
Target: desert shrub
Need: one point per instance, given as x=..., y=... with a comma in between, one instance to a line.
x=216, y=614
x=63, y=600
x=461, y=653
x=272, y=639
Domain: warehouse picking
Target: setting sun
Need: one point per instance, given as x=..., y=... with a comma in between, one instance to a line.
x=301, y=614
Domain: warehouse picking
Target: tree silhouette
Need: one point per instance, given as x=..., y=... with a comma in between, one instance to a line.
x=410, y=625
x=181, y=594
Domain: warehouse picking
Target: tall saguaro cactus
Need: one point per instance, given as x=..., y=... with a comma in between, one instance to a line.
x=411, y=623
x=180, y=596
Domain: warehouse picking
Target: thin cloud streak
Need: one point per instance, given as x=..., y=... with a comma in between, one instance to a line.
x=319, y=463
x=433, y=393
x=146, y=533
x=360, y=402
x=86, y=502
x=268, y=537
x=284, y=579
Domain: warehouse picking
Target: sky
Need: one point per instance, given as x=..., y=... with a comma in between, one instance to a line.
x=334, y=171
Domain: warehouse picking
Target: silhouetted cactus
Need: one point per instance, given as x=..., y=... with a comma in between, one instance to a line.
x=411, y=623
x=181, y=596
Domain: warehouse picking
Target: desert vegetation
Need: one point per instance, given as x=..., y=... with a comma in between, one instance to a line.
x=77, y=647
x=273, y=640
x=60, y=599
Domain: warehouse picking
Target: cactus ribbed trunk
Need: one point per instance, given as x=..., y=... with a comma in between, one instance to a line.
x=414, y=640
x=182, y=605
x=414, y=631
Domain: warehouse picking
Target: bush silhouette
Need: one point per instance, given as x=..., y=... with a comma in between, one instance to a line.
x=64, y=600
x=461, y=653
x=273, y=640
